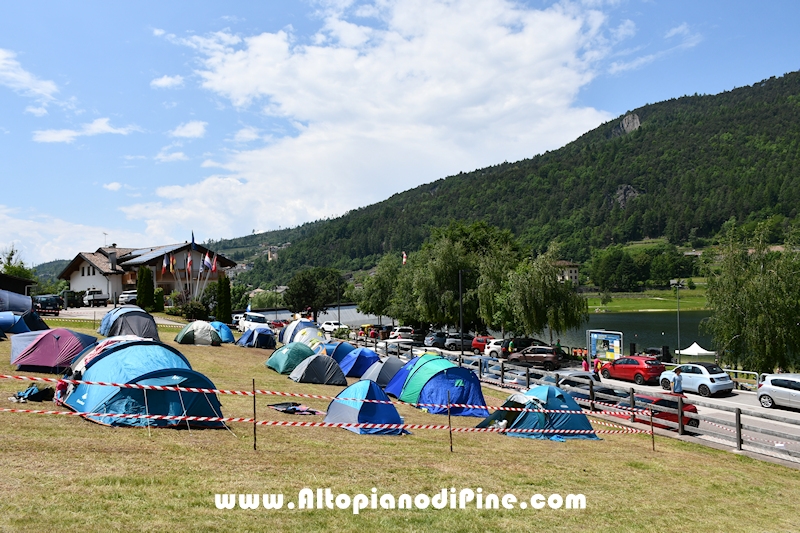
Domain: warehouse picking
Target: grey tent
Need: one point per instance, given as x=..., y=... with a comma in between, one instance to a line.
x=382, y=372
x=11, y=301
x=319, y=369
x=129, y=320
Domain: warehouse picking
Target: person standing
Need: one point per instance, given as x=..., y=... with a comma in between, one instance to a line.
x=510, y=346
x=585, y=364
x=597, y=366
x=677, y=382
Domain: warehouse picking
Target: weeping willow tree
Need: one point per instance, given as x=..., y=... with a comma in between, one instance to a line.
x=754, y=293
x=540, y=300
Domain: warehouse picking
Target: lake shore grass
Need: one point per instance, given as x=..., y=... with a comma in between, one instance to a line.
x=650, y=301
x=68, y=474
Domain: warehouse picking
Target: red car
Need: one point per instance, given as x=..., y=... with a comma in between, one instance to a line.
x=636, y=368
x=479, y=343
x=643, y=401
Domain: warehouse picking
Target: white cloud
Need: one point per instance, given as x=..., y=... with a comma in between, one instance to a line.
x=113, y=186
x=19, y=80
x=682, y=30
x=194, y=129
x=157, y=32
x=246, y=135
x=96, y=127
x=439, y=87
x=39, y=111
x=167, y=82
x=164, y=157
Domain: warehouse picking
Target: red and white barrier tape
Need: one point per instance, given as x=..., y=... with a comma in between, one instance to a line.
x=295, y=395
x=289, y=423
x=748, y=437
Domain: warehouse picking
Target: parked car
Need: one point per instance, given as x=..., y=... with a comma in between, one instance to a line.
x=779, y=390
x=95, y=298
x=329, y=326
x=454, y=342
x=493, y=348
x=277, y=324
x=236, y=318
x=579, y=390
x=251, y=321
x=654, y=403
x=703, y=378
x=479, y=343
x=435, y=339
x=396, y=346
x=401, y=332
x=127, y=297
x=636, y=368
x=71, y=298
x=46, y=304
x=519, y=344
x=545, y=356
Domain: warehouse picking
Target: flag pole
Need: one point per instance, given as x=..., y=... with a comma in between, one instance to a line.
x=208, y=274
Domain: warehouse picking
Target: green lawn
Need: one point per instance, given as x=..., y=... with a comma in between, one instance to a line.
x=67, y=474
x=651, y=300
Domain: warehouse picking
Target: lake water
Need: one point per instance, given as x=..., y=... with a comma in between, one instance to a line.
x=654, y=329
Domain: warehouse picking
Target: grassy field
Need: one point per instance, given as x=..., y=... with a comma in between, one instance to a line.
x=652, y=300
x=67, y=474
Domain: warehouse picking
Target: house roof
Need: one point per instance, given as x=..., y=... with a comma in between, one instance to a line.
x=130, y=258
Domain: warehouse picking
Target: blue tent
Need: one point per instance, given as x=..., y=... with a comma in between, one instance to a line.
x=287, y=334
x=358, y=412
x=225, y=333
x=355, y=363
x=257, y=338
x=395, y=386
x=338, y=350
x=548, y=398
x=145, y=363
x=12, y=323
x=464, y=388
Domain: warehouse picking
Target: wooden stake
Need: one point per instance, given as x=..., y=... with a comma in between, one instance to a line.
x=254, y=414
x=652, y=433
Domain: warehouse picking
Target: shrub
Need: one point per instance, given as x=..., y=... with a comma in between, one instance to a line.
x=158, y=300
x=194, y=310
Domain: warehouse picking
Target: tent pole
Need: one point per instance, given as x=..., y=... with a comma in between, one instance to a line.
x=146, y=412
x=449, y=425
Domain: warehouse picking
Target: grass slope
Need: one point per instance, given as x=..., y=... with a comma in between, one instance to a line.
x=68, y=474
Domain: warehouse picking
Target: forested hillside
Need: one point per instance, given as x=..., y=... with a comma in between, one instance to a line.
x=691, y=164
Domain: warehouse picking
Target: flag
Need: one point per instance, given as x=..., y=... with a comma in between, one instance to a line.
x=194, y=246
x=164, y=265
x=248, y=307
x=189, y=263
x=214, y=266
x=207, y=262
x=172, y=263
x=404, y=258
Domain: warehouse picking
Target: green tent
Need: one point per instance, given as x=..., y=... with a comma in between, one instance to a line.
x=198, y=332
x=424, y=370
x=287, y=357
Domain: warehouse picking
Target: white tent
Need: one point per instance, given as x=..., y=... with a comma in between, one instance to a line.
x=694, y=350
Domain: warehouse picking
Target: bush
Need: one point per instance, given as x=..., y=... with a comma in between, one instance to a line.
x=194, y=310
x=174, y=311
x=158, y=300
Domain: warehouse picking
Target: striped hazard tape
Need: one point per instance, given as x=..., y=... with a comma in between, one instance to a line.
x=300, y=395
x=289, y=423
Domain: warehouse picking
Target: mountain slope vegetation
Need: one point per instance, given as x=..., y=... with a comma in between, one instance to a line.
x=691, y=164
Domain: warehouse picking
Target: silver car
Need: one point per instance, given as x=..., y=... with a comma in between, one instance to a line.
x=703, y=378
x=779, y=389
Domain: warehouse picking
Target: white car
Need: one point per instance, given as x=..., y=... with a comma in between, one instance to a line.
x=492, y=348
x=127, y=297
x=251, y=321
x=330, y=326
x=401, y=332
x=236, y=318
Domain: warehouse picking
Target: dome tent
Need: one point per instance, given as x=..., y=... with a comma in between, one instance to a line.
x=353, y=411
x=548, y=398
x=382, y=372
x=287, y=334
x=128, y=320
x=51, y=349
x=287, y=357
x=146, y=363
x=358, y=361
x=225, y=333
x=257, y=338
x=319, y=369
x=199, y=333
x=338, y=350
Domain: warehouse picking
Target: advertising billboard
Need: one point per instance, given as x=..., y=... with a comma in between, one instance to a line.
x=604, y=344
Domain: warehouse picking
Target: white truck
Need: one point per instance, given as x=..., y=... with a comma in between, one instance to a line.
x=95, y=298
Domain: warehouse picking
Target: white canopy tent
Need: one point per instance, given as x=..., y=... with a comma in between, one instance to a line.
x=695, y=350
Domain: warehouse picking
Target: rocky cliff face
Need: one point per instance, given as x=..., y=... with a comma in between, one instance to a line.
x=629, y=123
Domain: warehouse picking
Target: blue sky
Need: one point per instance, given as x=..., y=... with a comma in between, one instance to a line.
x=140, y=123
